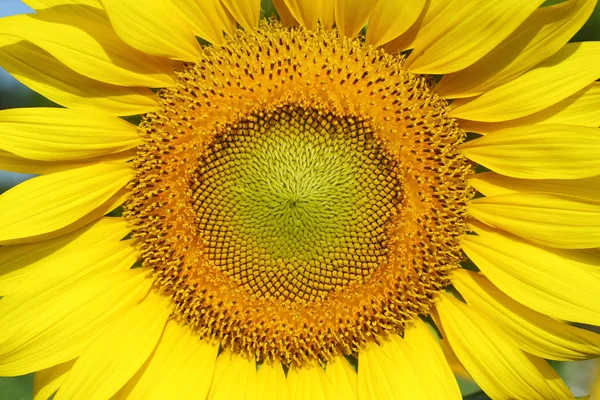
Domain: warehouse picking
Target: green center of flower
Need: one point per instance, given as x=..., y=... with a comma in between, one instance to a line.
x=294, y=204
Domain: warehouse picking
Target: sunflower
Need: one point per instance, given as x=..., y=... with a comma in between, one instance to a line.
x=355, y=200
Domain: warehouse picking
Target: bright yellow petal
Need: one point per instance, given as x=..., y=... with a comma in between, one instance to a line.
x=492, y=184
x=309, y=383
x=467, y=33
x=411, y=368
x=46, y=75
x=12, y=162
x=234, y=378
x=284, y=12
x=534, y=332
x=57, y=328
x=455, y=365
x=549, y=220
x=49, y=202
x=27, y=268
x=559, y=283
x=426, y=27
x=378, y=374
x=539, y=151
x=571, y=69
x=154, y=27
x=118, y=351
x=90, y=48
x=59, y=134
x=310, y=12
x=343, y=378
x=181, y=367
x=207, y=19
x=497, y=365
x=271, y=383
x=47, y=381
x=352, y=15
x=245, y=12
x=582, y=109
x=540, y=36
x=391, y=18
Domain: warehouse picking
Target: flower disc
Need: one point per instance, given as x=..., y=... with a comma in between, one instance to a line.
x=299, y=194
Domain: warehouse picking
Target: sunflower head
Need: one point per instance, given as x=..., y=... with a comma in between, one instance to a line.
x=302, y=213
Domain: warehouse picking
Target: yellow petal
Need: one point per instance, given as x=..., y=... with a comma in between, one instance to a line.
x=352, y=15
x=426, y=27
x=181, y=367
x=497, y=365
x=309, y=383
x=46, y=75
x=343, y=378
x=546, y=219
x=540, y=36
x=207, y=19
x=12, y=162
x=57, y=328
x=23, y=267
x=90, y=263
x=582, y=108
x=391, y=18
x=271, y=383
x=468, y=33
x=309, y=12
x=49, y=202
x=49, y=380
x=569, y=70
x=411, y=368
x=234, y=378
x=284, y=12
x=245, y=12
x=492, y=184
x=118, y=351
x=59, y=134
x=559, y=283
x=534, y=332
x=539, y=151
x=455, y=365
x=90, y=48
x=154, y=27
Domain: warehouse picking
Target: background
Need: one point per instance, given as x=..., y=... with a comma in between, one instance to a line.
x=578, y=375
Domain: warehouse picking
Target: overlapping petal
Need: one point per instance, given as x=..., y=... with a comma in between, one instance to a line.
x=180, y=367
x=581, y=109
x=572, y=68
x=61, y=134
x=391, y=18
x=537, y=38
x=539, y=151
x=491, y=357
x=155, y=27
x=44, y=74
x=90, y=48
x=53, y=329
x=554, y=282
x=48, y=203
x=118, y=351
x=465, y=31
x=534, y=332
x=546, y=219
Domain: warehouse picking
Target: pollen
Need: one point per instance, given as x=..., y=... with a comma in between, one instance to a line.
x=299, y=194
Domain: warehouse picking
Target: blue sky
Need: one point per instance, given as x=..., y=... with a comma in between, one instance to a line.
x=11, y=7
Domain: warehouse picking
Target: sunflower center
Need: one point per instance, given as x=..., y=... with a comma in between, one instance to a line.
x=299, y=194
x=293, y=203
